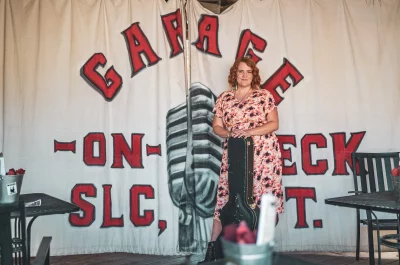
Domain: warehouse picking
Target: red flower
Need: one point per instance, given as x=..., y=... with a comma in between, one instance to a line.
x=11, y=171
x=395, y=172
x=21, y=171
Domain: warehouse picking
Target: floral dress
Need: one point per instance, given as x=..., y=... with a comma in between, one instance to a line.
x=247, y=114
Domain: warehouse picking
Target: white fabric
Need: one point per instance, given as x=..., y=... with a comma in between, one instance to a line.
x=44, y=98
x=348, y=53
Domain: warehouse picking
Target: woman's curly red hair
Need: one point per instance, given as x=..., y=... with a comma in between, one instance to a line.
x=255, y=83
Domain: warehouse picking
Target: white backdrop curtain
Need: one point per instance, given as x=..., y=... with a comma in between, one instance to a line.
x=47, y=99
x=333, y=68
x=336, y=61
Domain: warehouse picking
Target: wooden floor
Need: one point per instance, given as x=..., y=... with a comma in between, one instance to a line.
x=326, y=258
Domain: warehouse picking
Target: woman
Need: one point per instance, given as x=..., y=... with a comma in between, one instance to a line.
x=246, y=110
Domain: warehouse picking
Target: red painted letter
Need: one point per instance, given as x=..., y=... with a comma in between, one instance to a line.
x=88, y=156
x=109, y=86
x=259, y=44
x=108, y=220
x=287, y=154
x=148, y=217
x=208, y=31
x=88, y=209
x=174, y=33
x=300, y=194
x=322, y=165
x=138, y=44
x=121, y=149
x=278, y=79
x=342, y=150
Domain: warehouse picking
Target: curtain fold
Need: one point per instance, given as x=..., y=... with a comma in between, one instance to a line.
x=2, y=62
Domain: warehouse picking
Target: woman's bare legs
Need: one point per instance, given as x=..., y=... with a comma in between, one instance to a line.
x=216, y=230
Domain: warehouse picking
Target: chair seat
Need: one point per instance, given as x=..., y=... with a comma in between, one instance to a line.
x=384, y=224
x=392, y=241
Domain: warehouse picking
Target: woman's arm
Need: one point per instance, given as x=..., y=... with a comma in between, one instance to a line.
x=219, y=128
x=271, y=126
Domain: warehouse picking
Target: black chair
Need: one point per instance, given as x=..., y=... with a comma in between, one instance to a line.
x=373, y=176
x=17, y=246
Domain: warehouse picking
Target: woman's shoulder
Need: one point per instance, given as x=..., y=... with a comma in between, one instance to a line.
x=263, y=92
x=225, y=94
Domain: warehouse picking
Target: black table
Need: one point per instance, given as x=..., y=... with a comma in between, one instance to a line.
x=375, y=201
x=277, y=259
x=49, y=206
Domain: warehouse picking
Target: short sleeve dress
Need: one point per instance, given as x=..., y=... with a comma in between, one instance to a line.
x=247, y=114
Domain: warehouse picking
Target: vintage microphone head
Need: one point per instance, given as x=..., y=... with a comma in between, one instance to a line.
x=194, y=155
x=199, y=177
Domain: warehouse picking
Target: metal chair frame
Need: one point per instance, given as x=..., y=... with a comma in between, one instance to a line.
x=368, y=178
x=19, y=244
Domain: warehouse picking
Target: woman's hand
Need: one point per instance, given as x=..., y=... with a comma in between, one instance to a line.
x=241, y=133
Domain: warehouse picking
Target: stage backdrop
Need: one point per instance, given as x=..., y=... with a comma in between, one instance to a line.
x=86, y=87
x=94, y=107
x=333, y=69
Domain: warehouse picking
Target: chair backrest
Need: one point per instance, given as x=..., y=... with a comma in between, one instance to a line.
x=16, y=245
x=374, y=170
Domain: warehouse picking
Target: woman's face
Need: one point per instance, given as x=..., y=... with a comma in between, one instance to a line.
x=244, y=75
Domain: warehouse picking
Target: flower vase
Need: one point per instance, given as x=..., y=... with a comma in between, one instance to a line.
x=10, y=188
x=396, y=188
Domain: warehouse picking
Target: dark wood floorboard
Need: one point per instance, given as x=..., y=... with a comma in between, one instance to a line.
x=123, y=259
x=335, y=258
x=326, y=258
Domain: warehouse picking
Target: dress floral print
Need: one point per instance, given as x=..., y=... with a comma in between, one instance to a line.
x=247, y=114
